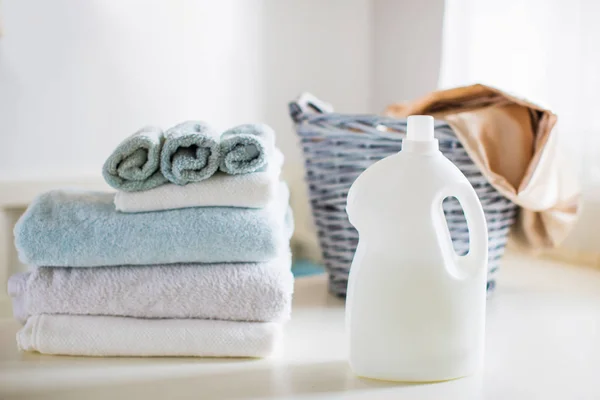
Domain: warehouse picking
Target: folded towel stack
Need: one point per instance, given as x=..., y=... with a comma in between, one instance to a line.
x=189, y=258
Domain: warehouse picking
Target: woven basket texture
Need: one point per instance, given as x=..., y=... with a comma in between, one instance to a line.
x=338, y=148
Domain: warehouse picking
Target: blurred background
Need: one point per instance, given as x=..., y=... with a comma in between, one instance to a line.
x=76, y=77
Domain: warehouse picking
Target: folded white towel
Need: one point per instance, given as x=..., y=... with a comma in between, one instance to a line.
x=255, y=292
x=253, y=190
x=120, y=336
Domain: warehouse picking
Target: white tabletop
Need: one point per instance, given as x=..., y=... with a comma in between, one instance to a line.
x=543, y=342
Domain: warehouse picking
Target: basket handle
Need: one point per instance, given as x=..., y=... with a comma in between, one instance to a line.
x=307, y=103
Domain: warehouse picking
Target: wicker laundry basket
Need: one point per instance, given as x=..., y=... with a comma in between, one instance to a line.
x=338, y=148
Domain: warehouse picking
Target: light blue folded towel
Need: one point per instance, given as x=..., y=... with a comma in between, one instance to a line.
x=246, y=148
x=135, y=163
x=190, y=153
x=74, y=228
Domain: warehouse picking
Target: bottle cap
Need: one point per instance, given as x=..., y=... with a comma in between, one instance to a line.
x=420, y=128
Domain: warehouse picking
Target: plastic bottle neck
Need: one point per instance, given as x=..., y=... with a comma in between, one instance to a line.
x=420, y=146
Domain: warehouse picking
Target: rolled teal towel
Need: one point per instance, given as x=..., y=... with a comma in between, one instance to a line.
x=190, y=153
x=246, y=148
x=135, y=163
x=73, y=228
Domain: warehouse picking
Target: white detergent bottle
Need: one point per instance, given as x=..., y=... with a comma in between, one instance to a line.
x=415, y=310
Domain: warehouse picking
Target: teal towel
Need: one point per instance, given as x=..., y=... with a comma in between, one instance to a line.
x=306, y=268
x=190, y=153
x=73, y=228
x=246, y=148
x=135, y=163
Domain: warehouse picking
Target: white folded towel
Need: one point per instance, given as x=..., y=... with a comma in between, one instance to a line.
x=121, y=336
x=256, y=292
x=253, y=190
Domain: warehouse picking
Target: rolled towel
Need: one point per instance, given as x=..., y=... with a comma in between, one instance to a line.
x=74, y=228
x=84, y=335
x=135, y=163
x=254, y=190
x=257, y=292
x=246, y=148
x=190, y=153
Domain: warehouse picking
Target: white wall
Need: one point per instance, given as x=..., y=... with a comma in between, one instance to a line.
x=407, y=45
x=78, y=76
x=318, y=46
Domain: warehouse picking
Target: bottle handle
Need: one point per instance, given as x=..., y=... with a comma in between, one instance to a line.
x=477, y=257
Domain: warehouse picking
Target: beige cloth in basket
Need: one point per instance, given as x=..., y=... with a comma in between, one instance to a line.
x=511, y=141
